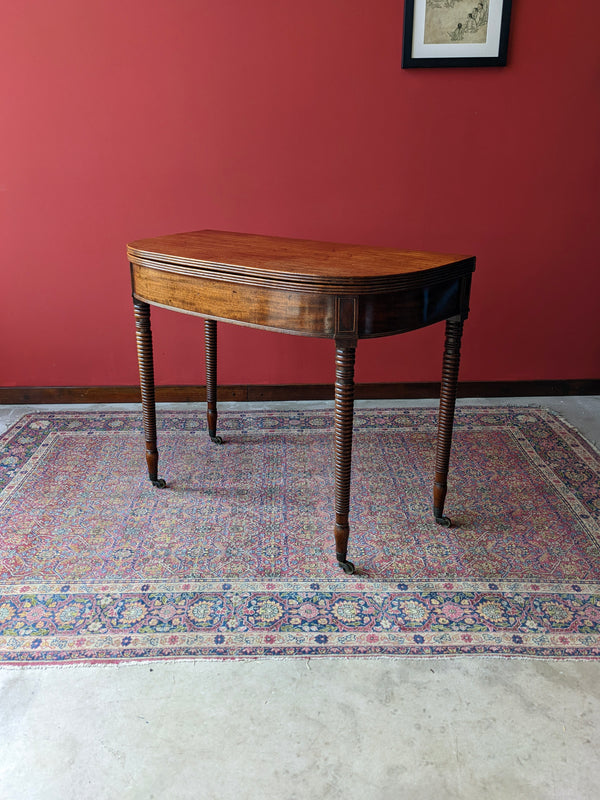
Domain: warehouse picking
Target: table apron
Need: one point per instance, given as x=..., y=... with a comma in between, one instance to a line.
x=307, y=313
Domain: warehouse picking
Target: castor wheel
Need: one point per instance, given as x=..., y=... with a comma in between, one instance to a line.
x=160, y=483
x=347, y=566
x=216, y=439
x=445, y=522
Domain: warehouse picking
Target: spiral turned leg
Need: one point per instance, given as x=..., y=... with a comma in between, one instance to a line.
x=446, y=417
x=344, y=410
x=210, y=341
x=143, y=336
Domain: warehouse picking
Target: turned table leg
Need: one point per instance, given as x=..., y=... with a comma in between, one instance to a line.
x=143, y=337
x=210, y=341
x=344, y=410
x=450, y=366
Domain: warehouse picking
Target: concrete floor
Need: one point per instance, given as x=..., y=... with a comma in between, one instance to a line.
x=375, y=729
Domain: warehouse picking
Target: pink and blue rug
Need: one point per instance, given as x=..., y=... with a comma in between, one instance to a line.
x=235, y=559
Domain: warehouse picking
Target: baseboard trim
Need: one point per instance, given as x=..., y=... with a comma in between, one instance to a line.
x=35, y=395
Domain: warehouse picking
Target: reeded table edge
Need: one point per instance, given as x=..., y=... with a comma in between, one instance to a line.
x=351, y=284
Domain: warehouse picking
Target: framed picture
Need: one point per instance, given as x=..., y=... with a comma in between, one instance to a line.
x=455, y=33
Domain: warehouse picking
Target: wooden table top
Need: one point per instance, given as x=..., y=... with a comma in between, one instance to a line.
x=302, y=261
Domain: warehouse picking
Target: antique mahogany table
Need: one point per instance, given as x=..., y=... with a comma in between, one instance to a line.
x=333, y=291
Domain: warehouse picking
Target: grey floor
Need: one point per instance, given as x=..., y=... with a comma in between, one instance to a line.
x=320, y=728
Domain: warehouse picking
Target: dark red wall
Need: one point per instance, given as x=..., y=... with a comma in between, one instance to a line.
x=131, y=118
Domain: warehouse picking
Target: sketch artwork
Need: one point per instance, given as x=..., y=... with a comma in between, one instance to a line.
x=448, y=21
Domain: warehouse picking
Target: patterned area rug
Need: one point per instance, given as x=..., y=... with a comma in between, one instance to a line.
x=236, y=558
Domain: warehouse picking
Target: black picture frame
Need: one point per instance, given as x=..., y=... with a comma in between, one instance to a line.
x=416, y=52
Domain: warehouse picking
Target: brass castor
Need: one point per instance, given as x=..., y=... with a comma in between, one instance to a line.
x=347, y=566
